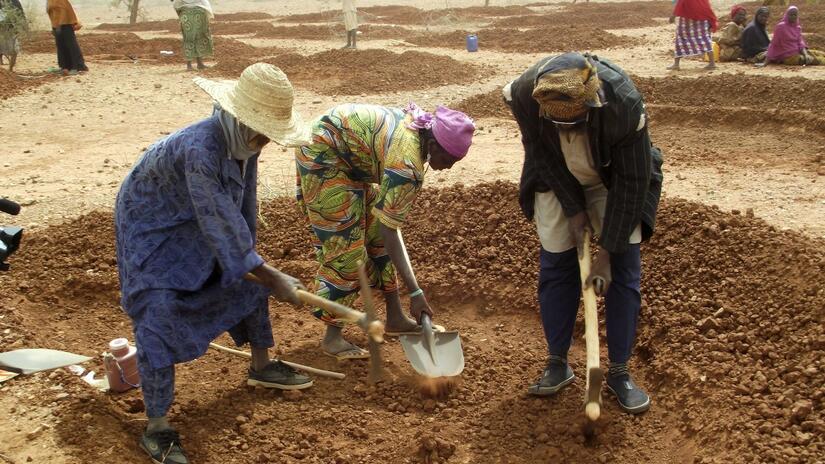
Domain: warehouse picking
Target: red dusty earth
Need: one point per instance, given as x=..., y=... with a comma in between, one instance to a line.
x=485, y=105
x=12, y=84
x=529, y=40
x=730, y=347
x=601, y=15
x=368, y=71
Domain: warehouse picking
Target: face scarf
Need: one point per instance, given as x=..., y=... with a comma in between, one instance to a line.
x=563, y=95
x=237, y=136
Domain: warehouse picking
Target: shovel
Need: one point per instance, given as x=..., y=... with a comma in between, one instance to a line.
x=434, y=354
x=30, y=360
x=595, y=375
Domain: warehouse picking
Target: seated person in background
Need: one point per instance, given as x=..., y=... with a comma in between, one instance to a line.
x=788, y=46
x=730, y=40
x=755, y=39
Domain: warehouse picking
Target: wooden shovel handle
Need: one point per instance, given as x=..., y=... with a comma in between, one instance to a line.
x=591, y=328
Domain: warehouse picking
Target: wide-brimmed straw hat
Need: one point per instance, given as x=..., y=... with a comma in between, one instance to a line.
x=261, y=100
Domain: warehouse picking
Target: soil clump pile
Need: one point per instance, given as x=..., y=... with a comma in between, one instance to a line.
x=727, y=90
x=12, y=84
x=165, y=25
x=369, y=71
x=485, y=105
x=243, y=16
x=608, y=16
x=528, y=41
x=722, y=294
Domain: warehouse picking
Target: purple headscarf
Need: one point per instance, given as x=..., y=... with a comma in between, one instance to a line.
x=452, y=129
x=787, y=39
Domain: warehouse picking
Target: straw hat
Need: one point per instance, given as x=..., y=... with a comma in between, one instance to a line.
x=261, y=100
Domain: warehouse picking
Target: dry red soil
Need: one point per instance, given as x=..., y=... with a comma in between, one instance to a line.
x=724, y=296
x=367, y=71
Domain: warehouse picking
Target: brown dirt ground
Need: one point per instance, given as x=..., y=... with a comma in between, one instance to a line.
x=485, y=105
x=527, y=41
x=12, y=84
x=243, y=16
x=712, y=368
x=368, y=71
x=600, y=15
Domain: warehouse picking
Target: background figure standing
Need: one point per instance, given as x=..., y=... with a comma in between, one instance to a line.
x=12, y=24
x=194, y=25
x=696, y=22
x=350, y=22
x=64, y=24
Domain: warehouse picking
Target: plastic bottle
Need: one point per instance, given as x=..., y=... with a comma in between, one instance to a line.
x=121, y=365
x=472, y=43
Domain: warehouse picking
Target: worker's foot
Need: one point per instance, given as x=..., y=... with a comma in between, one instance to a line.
x=278, y=375
x=401, y=325
x=673, y=67
x=631, y=398
x=556, y=376
x=163, y=447
x=335, y=345
x=710, y=67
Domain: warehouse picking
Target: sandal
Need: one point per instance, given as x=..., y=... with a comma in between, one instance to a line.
x=436, y=328
x=350, y=353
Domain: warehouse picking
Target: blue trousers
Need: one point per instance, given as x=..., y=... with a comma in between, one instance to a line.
x=560, y=290
x=158, y=385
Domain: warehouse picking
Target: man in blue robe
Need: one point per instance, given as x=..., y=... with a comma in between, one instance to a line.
x=185, y=222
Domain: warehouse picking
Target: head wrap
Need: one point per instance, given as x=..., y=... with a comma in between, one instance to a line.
x=736, y=9
x=452, y=129
x=567, y=89
x=237, y=136
x=787, y=39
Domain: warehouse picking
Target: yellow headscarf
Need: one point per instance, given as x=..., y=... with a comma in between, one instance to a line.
x=564, y=94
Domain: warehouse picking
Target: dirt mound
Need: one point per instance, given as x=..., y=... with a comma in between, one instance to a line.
x=485, y=105
x=240, y=28
x=123, y=44
x=723, y=294
x=165, y=25
x=555, y=38
x=12, y=84
x=368, y=71
x=760, y=93
x=603, y=15
x=302, y=32
x=243, y=16
x=319, y=17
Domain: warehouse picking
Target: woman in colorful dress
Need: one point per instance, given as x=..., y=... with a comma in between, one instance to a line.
x=194, y=25
x=755, y=39
x=788, y=46
x=693, y=30
x=730, y=41
x=357, y=181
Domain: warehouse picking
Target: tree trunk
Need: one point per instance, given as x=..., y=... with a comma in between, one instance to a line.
x=486, y=2
x=134, y=13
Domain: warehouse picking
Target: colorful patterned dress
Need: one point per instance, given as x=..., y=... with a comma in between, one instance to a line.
x=363, y=167
x=197, y=38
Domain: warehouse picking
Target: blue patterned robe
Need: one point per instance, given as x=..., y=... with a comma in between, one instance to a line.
x=185, y=228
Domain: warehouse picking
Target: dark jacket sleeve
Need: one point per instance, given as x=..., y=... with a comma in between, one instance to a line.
x=544, y=167
x=630, y=163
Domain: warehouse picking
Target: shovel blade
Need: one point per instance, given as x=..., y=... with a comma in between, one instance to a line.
x=445, y=360
x=27, y=361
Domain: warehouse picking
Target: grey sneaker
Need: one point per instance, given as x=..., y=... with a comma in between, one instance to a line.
x=163, y=447
x=556, y=376
x=278, y=375
x=631, y=398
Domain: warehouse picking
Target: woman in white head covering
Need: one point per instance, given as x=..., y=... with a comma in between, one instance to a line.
x=185, y=222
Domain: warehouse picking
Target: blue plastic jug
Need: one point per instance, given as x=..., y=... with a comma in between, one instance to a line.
x=472, y=43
